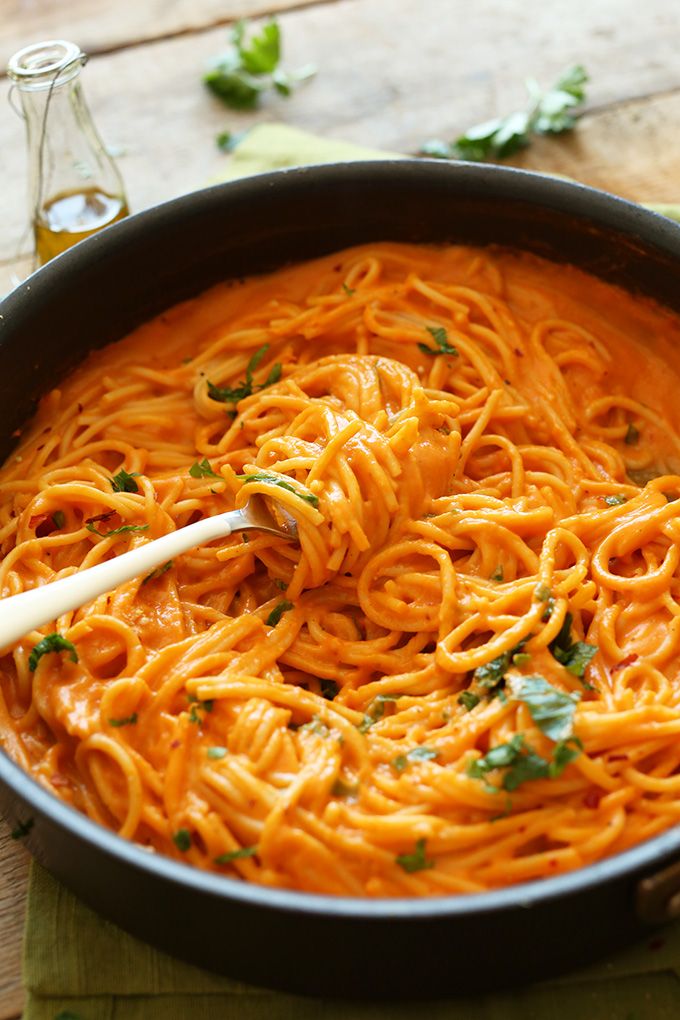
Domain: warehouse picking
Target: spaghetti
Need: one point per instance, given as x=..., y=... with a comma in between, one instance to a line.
x=466, y=675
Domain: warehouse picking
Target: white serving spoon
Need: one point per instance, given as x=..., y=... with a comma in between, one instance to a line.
x=21, y=613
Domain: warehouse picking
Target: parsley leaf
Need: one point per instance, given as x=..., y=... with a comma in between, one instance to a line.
x=491, y=673
x=202, y=469
x=235, y=855
x=116, y=531
x=550, y=112
x=468, y=700
x=441, y=338
x=421, y=753
x=376, y=710
x=551, y=710
x=498, y=573
x=277, y=612
x=158, y=572
x=182, y=840
x=417, y=861
x=51, y=643
x=616, y=500
x=574, y=656
x=233, y=394
x=128, y=720
x=124, y=482
x=59, y=519
x=263, y=476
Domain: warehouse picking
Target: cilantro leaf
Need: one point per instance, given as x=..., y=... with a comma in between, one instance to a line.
x=552, y=710
x=548, y=113
x=441, y=338
x=202, y=469
x=251, y=66
x=417, y=861
x=277, y=612
x=264, y=476
x=51, y=643
x=235, y=855
x=124, y=482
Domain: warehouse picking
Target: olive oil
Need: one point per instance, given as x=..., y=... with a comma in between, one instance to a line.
x=69, y=218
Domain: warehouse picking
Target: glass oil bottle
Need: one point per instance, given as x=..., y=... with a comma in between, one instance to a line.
x=75, y=188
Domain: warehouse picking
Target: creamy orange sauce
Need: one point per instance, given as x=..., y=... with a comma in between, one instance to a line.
x=466, y=675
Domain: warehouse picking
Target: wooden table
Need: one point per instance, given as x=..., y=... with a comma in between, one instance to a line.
x=392, y=73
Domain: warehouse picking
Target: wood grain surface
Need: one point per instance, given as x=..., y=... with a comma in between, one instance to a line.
x=391, y=74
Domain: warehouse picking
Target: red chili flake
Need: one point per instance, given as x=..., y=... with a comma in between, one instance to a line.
x=628, y=661
x=617, y=757
x=58, y=780
x=520, y=354
x=592, y=799
x=175, y=744
x=552, y=863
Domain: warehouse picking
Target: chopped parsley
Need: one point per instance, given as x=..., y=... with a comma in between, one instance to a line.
x=264, y=476
x=547, y=113
x=342, y=789
x=128, y=720
x=615, y=500
x=522, y=764
x=51, y=643
x=468, y=700
x=417, y=861
x=196, y=705
x=542, y=593
x=552, y=710
x=234, y=394
x=316, y=725
x=202, y=469
x=348, y=290
x=632, y=435
x=277, y=612
x=182, y=840
x=216, y=753
x=441, y=338
x=116, y=531
x=59, y=518
x=236, y=855
x=492, y=673
x=376, y=710
x=158, y=572
x=415, y=754
x=521, y=659
x=498, y=573
x=124, y=482
x=574, y=655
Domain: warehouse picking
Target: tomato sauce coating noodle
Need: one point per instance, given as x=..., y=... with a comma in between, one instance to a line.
x=465, y=676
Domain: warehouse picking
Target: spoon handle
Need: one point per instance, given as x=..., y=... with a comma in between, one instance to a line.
x=21, y=613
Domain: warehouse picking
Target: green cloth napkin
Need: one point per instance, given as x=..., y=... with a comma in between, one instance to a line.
x=80, y=967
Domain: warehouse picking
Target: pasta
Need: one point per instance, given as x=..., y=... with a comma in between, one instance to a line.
x=465, y=675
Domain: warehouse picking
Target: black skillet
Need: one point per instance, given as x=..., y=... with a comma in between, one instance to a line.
x=96, y=293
